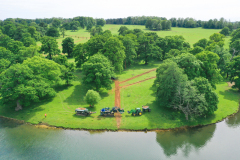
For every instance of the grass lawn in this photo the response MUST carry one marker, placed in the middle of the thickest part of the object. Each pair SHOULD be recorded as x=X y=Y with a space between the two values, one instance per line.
x=191 y=35
x=60 y=109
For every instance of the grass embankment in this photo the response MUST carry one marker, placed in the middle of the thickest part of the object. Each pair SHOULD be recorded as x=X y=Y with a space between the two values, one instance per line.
x=191 y=35
x=60 y=109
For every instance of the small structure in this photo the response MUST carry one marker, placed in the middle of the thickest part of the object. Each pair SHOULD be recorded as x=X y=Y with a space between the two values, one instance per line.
x=83 y=112
x=146 y=108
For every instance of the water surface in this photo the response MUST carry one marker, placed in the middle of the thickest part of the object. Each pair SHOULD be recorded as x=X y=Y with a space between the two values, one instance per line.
x=218 y=141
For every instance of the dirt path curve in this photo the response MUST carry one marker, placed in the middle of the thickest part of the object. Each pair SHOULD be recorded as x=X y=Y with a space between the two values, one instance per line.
x=138 y=75
x=137 y=82
x=117 y=102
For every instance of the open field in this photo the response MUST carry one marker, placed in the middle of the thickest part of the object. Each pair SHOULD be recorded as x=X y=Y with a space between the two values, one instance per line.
x=60 y=109
x=192 y=35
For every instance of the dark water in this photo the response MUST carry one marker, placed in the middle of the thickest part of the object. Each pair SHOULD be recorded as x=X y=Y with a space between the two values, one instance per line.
x=218 y=141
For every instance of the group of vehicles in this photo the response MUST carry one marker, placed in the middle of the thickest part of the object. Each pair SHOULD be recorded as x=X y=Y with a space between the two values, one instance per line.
x=111 y=112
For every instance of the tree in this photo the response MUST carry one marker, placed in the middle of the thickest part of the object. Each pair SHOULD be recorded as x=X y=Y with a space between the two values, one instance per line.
x=204 y=88
x=224 y=59
x=201 y=43
x=49 y=46
x=209 y=68
x=68 y=45
x=26 y=53
x=28 y=41
x=170 y=42
x=147 y=49
x=235 y=48
x=114 y=50
x=4 y=64
x=225 y=31
x=15 y=46
x=190 y=64
x=96 y=30
x=194 y=98
x=217 y=39
x=101 y=22
x=234 y=68
x=92 y=97
x=98 y=72
x=196 y=50
x=74 y=25
x=235 y=35
x=169 y=78
x=172 y=53
x=122 y=29
x=48 y=70
x=53 y=32
x=19 y=84
x=7 y=54
x=56 y=23
x=62 y=30
x=130 y=50
x=189 y=101
x=20 y=31
x=80 y=54
x=67 y=68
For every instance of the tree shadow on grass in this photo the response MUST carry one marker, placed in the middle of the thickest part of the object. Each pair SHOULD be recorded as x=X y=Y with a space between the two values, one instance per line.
x=230 y=94
x=26 y=113
x=60 y=88
x=82 y=117
x=161 y=115
x=77 y=96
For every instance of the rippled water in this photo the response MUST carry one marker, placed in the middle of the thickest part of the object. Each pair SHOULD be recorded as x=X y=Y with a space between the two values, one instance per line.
x=218 y=141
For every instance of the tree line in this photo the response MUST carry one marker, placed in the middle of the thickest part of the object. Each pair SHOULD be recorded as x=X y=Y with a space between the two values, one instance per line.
x=176 y=22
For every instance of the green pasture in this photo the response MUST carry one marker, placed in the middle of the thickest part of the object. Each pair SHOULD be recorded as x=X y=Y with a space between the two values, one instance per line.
x=191 y=35
x=60 y=109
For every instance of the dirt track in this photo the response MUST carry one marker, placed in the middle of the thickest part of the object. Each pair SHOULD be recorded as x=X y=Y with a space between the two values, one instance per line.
x=138 y=75
x=137 y=82
x=117 y=102
x=117 y=92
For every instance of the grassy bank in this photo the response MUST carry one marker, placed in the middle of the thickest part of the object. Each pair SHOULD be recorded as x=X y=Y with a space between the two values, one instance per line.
x=60 y=109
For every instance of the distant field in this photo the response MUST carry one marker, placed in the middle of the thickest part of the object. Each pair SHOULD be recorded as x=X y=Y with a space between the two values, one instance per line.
x=192 y=35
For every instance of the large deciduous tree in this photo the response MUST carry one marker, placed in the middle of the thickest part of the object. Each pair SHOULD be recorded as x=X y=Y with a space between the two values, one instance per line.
x=67 y=46
x=67 y=68
x=234 y=70
x=29 y=82
x=114 y=50
x=190 y=64
x=225 y=31
x=147 y=49
x=209 y=66
x=53 y=32
x=194 y=98
x=169 y=78
x=98 y=72
x=49 y=46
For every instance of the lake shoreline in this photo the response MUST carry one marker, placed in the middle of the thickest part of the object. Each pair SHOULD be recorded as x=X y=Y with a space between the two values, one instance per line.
x=47 y=126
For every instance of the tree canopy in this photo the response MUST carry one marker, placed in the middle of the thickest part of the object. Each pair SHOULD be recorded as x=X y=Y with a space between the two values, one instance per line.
x=67 y=46
x=98 y=72
x=49 y=46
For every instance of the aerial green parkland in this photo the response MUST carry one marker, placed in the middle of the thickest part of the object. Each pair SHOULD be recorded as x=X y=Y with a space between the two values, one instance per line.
x=60 y=110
